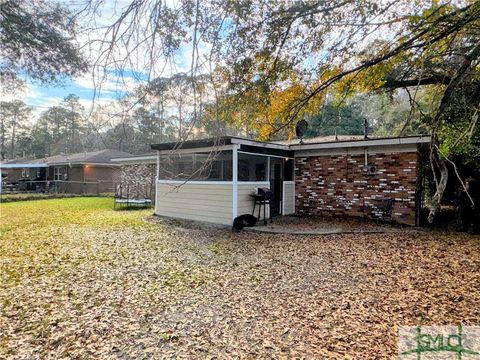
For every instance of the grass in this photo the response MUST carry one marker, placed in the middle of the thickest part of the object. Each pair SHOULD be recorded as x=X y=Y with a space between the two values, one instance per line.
x=37 y=235
x=6 y=198
x=56 y=253
x=80 y=280
x=85 y=212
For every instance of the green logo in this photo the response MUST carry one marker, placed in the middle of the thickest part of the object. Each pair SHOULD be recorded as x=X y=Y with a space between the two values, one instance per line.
x=438 y=339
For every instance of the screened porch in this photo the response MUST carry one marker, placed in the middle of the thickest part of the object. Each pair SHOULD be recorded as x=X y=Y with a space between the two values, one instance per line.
x=214 y=183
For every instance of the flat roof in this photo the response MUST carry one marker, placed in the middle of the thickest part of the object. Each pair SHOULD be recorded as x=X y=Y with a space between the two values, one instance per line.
x=385 y=141
x=295 y=144
x=214 y=142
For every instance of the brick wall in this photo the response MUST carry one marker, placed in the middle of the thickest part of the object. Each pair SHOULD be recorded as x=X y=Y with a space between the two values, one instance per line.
x=139 y=180
x=336 y=185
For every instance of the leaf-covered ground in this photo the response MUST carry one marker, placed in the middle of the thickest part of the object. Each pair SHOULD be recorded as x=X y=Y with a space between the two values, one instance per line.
x=79 y=280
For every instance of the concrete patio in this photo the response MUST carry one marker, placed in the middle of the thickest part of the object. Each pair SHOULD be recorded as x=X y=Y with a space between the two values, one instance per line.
x=317 y=225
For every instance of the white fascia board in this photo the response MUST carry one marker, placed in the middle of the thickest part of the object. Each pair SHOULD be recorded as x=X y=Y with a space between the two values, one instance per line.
x=23 y=166
x=150 y=158
x=194 y=182
x=196 y=150
x=260 y=144
x=257 y=154
x=363 y=143
x=84 y=163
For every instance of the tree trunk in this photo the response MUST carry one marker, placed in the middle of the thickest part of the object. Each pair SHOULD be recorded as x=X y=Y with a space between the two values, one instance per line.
x=14 y=129
x=2 y=139
x=437 y=160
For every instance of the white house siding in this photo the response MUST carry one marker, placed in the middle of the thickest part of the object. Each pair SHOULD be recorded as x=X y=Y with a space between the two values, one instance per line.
x=288 y=197
x=209 y=202
x=245 y=202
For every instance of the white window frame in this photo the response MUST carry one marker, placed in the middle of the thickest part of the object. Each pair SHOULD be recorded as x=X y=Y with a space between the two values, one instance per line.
x=25 y=173
x=57 y=173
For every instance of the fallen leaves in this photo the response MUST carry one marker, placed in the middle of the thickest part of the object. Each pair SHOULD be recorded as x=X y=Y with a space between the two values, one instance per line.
x=88 y=282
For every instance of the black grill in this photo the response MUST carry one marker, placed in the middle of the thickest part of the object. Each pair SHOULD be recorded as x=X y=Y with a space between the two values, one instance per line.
x=264 y=194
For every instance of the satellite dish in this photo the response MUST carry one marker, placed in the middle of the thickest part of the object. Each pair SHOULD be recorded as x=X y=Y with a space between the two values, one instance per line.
x=301 y=129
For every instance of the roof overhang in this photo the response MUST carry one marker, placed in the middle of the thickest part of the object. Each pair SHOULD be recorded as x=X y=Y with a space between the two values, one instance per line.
x=228 y=142
x=23 y=166
x=82 y=163
x=216 y=142
x=363 y=143
x=137 y=159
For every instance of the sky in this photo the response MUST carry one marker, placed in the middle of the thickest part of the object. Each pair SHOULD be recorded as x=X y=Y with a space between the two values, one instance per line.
x=40 y=97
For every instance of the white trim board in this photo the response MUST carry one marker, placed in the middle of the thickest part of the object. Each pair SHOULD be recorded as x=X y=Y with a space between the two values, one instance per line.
x=235 y=181
x=257 y=154
x=259 y=144
x=213 y=182
x=143 y=159
x=362 y=143
x=206 y=149
x=372 y=150
x=83 y=164
x=198 y=182
x=23 y=166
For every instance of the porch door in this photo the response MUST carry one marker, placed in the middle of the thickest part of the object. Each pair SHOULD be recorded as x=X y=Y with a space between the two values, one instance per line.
x=276 y=185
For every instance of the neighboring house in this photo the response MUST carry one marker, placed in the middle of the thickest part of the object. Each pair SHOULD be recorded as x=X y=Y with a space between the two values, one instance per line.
x=211 y=180
x=9 y=172
x=88 y=172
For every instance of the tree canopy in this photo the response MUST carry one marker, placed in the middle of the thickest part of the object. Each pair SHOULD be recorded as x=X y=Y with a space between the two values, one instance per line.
x=37 y=38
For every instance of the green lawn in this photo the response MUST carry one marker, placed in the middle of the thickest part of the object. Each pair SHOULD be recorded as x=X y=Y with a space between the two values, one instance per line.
x=79 y=280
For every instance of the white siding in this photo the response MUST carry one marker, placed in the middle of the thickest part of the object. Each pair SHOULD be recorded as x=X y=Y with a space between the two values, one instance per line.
x=245 y=202
x=202 y=202
x=288 y=197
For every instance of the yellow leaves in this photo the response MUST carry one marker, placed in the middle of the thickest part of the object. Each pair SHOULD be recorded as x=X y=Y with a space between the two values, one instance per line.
x=271 y=113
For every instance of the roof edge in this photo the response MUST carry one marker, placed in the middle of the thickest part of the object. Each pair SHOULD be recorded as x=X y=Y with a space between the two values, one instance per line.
x=407 y=140
x=135 y=158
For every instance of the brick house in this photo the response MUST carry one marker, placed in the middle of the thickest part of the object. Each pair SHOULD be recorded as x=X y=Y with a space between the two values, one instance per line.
x=78 y=173
x=372 y=178
x=212 y=179
x=375 y=178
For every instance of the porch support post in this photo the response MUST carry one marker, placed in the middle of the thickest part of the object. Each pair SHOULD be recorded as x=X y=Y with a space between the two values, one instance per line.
x=235 y=181
x=157 y=177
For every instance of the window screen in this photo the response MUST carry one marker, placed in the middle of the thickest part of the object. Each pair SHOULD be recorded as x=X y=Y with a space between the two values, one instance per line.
x=252 y=167
x=201 y=166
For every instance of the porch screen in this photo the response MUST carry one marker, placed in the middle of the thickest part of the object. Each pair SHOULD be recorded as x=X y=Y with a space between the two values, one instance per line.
x=211 y=166
x=252 y=167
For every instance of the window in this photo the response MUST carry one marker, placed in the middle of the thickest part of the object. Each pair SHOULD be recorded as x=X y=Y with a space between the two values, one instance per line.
x=288 y=171
x=200 y=166
x=58 y=173
x=38 y=173
x=252 y=167
x=25 y=172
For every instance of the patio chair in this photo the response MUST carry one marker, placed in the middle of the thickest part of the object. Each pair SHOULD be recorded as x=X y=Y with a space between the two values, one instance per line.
x=386 y=206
